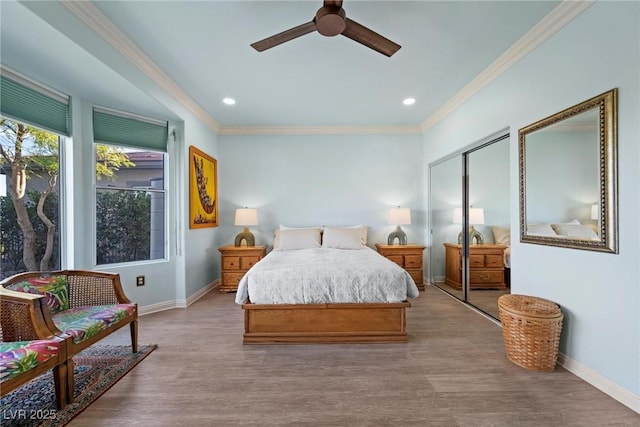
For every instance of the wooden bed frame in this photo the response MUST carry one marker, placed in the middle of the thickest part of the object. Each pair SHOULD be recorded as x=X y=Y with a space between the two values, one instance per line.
x=325 y=323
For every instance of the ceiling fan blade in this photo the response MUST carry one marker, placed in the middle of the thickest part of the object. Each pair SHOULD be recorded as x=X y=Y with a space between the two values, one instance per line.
x=284 y=36
x=369 y=38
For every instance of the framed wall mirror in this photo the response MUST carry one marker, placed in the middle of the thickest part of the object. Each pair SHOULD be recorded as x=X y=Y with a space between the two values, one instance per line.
x=568 y=177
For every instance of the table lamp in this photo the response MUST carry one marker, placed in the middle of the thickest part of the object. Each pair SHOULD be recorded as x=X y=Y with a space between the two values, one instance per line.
x=476 y=217
x=246 y=217
x=399 y=216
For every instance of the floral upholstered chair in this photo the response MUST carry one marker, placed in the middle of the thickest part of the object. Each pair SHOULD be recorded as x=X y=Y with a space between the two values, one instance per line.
x=84 y=305
x=29 y=347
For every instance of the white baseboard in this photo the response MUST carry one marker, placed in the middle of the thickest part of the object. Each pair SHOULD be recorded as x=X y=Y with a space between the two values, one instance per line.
x=181 y=303
x=154 y=308
x=600 y=382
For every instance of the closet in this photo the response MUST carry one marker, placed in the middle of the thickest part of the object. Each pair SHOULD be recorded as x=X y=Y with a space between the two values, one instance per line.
x=469 y=223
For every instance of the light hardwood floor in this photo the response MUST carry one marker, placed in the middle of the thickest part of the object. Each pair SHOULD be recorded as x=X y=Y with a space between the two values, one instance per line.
x=453 y=372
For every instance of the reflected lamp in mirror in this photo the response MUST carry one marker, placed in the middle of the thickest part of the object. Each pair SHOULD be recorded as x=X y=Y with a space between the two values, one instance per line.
x=594 y=212
x=244 y=218
x=399 y=216
x=476 y=217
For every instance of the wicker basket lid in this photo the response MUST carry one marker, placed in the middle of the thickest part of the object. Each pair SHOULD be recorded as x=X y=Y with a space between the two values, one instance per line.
x=529 y=306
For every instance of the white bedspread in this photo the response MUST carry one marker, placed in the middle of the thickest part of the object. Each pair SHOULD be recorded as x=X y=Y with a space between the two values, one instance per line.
x=323 y=275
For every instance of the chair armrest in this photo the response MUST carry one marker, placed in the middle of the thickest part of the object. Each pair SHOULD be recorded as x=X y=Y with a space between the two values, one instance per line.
x=87 y=287
x=25 y=317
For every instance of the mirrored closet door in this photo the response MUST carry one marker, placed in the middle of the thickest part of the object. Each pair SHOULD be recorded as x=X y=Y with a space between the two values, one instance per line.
x=469 y=222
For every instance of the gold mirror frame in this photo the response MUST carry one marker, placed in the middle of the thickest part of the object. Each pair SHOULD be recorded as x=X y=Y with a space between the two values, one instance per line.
x=606 y=105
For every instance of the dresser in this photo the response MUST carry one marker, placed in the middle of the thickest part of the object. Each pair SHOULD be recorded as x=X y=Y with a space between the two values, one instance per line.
x=486 y=266
x=236 y=260
x=408 y=257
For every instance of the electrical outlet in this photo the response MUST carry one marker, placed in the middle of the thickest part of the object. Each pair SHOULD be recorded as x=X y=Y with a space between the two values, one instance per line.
x=140 y=281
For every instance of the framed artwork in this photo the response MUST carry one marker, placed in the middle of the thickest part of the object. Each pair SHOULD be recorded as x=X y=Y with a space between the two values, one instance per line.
x=203 y=189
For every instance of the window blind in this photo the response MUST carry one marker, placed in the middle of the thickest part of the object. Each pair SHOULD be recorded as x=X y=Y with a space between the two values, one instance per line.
x=114 y=127
x=28 y=102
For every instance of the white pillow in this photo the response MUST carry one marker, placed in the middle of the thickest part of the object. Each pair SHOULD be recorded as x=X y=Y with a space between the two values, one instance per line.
x=342 y=238
x=276 y=233
x=363 y=232
x=575 y=230
x=502 y=235
x=284 y=227
x=592 y=225
x=541 y=230
x=302 y=238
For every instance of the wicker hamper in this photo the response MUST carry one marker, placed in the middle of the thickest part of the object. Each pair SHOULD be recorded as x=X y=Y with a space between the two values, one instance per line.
x=531 y=328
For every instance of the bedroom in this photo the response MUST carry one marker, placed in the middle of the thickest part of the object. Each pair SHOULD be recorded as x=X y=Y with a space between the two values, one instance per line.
x=601 y=290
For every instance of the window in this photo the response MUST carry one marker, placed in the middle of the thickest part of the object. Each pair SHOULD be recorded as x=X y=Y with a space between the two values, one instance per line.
x=29 y=199
x=130 y=188
x=34 y=120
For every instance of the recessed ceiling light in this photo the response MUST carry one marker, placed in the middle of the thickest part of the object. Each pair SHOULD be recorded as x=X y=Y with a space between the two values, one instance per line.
x=409 y=101
x=229 y=101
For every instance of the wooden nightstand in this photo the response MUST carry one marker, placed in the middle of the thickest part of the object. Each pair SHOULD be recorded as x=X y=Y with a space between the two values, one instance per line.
x=486 y=266
x=236 y=260
x=408 y=257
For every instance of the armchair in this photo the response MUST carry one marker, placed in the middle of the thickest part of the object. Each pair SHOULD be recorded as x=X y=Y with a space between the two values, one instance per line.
x=81 y=304
x=29 y=347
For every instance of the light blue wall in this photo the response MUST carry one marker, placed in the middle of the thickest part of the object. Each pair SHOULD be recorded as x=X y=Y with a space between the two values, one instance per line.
x=599 y=293
x=307 y=180
x=201 y=257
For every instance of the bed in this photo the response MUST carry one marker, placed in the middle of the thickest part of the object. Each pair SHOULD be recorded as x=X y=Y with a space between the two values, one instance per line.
x=324 y=286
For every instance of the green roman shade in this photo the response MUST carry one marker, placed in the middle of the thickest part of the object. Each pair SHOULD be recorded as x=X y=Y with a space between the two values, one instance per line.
x=112 y=127
x=28 y=102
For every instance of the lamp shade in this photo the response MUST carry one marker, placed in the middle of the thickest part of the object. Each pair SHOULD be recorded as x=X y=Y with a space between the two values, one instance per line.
x=594 y=212
x=400 y=216
x=476 y=216
x=246 y=217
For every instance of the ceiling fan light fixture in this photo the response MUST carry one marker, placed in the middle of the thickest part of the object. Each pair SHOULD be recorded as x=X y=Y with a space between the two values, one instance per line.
x=409 y=101
x=330 y=21
x=229 y=101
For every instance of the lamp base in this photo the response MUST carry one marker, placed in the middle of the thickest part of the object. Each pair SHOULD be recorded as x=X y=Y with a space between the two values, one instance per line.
x=399 y=234
x=247 y=236
x=473 y=234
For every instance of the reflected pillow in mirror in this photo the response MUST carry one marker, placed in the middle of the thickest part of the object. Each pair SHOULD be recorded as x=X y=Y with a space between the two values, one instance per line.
x=502 y=235
x=540 y=230
x=575 y=231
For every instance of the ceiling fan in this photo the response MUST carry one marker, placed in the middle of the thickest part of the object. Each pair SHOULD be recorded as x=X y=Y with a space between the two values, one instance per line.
x=331 y=20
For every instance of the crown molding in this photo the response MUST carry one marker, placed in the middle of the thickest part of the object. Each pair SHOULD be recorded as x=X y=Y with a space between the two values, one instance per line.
x=101 y=25
x=560 y=16
x=91 y=16
x=318 y=130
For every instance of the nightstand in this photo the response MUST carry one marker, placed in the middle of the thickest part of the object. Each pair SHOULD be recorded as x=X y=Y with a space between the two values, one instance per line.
x=486 y=266
x=408 y=257
x=236 y=260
